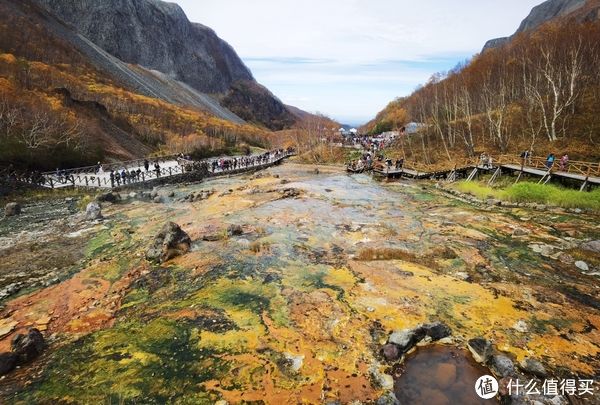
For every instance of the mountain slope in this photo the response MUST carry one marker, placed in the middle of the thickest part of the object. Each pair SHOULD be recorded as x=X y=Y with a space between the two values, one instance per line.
x=159 y=37
x=65 y=102
x=580 y=10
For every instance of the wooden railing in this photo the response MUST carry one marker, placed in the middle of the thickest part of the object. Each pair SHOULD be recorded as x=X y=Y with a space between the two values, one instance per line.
x=135 y=172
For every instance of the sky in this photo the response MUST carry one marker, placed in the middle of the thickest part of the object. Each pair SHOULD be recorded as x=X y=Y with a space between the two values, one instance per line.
x=348 y=58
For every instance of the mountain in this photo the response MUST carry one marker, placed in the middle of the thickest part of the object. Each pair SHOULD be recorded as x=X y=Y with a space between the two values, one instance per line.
x=158 y=37
x=579 y=10
x=65 y=102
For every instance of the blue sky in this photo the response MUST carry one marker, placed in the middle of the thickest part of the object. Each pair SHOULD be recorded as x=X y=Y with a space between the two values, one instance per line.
x=349 y=58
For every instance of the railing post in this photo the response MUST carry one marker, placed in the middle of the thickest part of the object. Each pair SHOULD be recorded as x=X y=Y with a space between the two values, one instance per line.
x=86 y=181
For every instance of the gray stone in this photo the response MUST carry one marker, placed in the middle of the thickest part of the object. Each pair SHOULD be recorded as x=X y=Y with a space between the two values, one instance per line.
x=533 y=367
x=481 y=349
x=407 y=338
x=170 y=242
x=581 y=265
x=12 y=209
x=521 y=232
x=391 y=352
x=502 y=365
x=157 y=199
x=387 y=399
x=29 y=346
x=593 y=246
x=93 y=211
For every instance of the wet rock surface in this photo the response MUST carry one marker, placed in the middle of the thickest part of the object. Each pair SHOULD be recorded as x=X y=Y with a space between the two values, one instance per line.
x=299 y=307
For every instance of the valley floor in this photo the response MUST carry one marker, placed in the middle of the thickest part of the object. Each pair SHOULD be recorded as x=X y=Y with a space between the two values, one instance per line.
x=297 y=307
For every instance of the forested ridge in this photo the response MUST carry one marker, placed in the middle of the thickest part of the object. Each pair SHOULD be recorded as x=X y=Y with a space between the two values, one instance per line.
x=539 y=92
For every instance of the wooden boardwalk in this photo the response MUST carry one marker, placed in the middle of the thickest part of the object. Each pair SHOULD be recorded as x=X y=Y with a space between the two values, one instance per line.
x=90 y=177
x=587 y=174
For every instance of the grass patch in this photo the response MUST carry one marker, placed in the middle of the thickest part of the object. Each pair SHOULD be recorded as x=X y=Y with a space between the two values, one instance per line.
x=535 y=193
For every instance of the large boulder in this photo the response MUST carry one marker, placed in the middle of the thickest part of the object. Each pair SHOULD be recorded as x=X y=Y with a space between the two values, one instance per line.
x=93 y=211
x=29 y=346
x=12 y=209
x=170 y=242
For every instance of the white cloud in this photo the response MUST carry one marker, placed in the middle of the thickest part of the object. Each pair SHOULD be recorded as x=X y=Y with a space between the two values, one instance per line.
x=310 y=51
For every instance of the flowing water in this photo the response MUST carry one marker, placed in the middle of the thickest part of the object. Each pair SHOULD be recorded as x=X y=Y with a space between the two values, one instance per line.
x=296 y=309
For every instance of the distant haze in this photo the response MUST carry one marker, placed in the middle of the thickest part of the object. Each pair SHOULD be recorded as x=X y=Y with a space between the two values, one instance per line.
x=349 y=58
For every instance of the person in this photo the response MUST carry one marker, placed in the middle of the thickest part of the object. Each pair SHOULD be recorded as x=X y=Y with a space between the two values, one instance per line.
x=112 y=178
x=550 y=161
x=564 y=162
x=399 y=163
x=526 y=157
x=157 y=169
x=146 y=164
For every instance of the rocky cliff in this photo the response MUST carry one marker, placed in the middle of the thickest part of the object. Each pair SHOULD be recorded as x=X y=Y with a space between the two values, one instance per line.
x=581 y=10
x=159 y=37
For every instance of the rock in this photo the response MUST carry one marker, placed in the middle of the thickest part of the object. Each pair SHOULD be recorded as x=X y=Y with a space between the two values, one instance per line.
x=544 y=250
x=29 y=346
x=109 y=197
x=12 y=209
x=481 y=349
x=133 y=195
x=534 y=367
x=93 y=211
x=157 y=199
x=317 y=171
x=170 y=242
x=7 y=326
x=387 y=399
x=171 y=194
x=593 y=246
x=289 y=193
x=384 y=381
x=154 y=193
x=235 y=230
x=437 y=330
x=445 y=375
x=521 y=232
x=391 y=352
x=521 y=326
x=502 y=365
x=407 y=338
x=581 y=265
x=294 y=362
x=284 y=181
x=8 y=362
